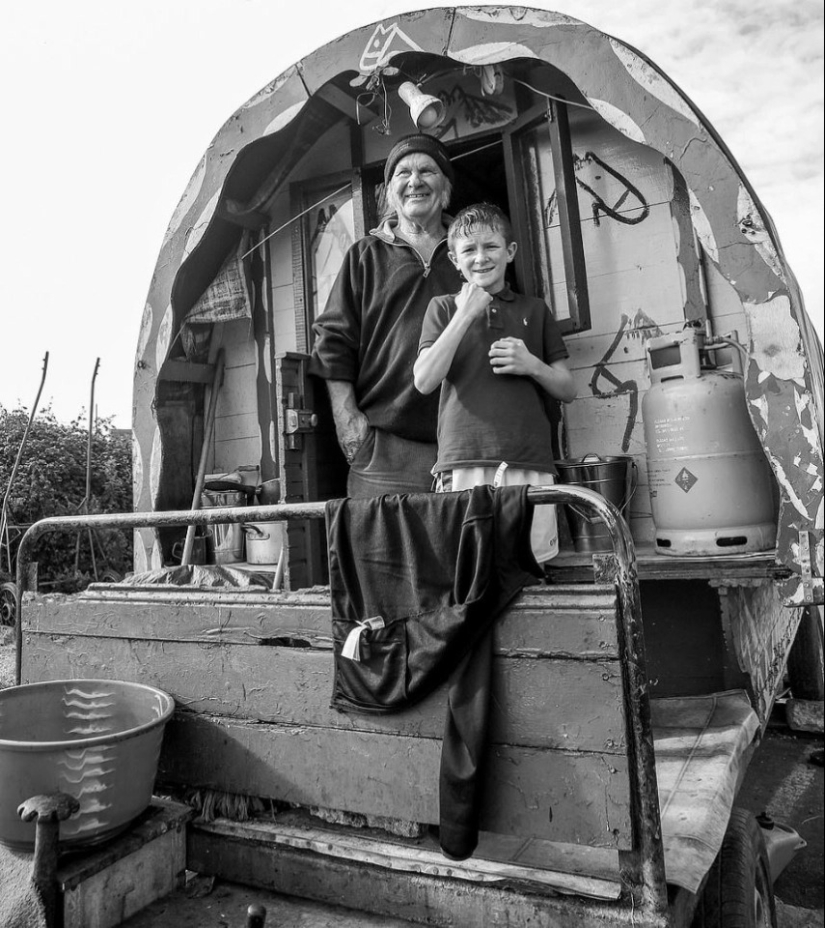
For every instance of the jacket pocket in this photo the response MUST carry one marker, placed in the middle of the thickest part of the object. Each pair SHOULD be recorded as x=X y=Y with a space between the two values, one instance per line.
x=374 y=676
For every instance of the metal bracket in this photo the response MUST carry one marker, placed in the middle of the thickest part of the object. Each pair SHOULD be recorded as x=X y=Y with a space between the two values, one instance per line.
x=297 y=420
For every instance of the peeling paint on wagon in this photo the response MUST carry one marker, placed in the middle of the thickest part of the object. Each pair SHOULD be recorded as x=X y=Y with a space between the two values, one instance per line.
x=540 y=19
x=283 y=119
x=491 y=53
x=618 y=119
x=652 y=81
x=775 y=340
x=190 y=195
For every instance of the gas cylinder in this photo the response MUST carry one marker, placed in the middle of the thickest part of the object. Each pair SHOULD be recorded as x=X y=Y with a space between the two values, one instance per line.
x=711 y=487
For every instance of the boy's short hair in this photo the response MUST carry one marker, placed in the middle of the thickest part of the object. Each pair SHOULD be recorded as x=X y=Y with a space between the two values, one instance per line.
x=479 y=216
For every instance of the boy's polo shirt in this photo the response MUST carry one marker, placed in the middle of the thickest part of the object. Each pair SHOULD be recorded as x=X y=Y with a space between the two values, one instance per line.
x=486 y=418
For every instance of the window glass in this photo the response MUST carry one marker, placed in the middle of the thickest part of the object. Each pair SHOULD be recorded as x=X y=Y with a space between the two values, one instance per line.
x=544 y=229
x=330 y=232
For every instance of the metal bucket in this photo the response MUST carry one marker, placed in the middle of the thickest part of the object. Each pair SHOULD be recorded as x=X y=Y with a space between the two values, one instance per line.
x=226 y=541
x=264 y=541
x=614 y=477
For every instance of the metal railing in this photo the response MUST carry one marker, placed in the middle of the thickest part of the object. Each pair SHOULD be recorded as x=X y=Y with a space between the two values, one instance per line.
x=644 y=865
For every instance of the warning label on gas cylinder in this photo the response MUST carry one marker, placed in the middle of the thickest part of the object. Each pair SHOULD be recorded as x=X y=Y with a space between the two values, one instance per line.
x=686 y=480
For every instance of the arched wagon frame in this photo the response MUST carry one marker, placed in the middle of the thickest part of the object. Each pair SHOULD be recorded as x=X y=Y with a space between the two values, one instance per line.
x=260 y=145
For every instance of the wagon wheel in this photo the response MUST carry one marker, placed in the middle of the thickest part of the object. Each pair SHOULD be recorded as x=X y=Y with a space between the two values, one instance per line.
x=739 y=892
x=8 y=603
x=110 y=576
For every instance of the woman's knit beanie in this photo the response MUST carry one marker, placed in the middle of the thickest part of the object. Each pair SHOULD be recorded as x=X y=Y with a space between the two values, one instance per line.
x=426 y=145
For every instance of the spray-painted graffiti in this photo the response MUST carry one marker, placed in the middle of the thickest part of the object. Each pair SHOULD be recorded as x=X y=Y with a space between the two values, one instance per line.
x=384 y=42
x=628 y=193
x=464 y=109
x=640 y=327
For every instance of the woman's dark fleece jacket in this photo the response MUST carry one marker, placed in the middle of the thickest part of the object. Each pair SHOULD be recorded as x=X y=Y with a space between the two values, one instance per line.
x=368 y=333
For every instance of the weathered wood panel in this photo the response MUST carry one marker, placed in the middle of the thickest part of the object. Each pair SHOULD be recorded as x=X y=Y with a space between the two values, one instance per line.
x=420 y=897
x=587 y=350
x=236 y=338
x=237 y=393
x=570 y=705
x=558 y=621
x=559 y=796
x=630 y=268
x=237 y=438
x=106 y=887
x=233 y=427
x=761 y=630
x=255 y=719
x=614 y=171
x=570 y=868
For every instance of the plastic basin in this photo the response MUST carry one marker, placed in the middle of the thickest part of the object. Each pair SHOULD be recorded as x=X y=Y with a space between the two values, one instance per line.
x=97 y=740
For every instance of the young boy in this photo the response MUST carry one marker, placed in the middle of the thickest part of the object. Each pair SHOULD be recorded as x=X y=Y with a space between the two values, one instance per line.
x=497 y=355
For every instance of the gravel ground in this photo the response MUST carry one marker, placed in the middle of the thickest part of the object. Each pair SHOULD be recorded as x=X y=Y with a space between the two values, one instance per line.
x=6 y=656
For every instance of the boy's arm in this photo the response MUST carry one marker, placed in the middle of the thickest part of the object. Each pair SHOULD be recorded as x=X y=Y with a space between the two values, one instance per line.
x=511 y=356
x=433 y=363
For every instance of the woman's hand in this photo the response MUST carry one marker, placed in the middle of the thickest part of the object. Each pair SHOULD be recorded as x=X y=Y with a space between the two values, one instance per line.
x=352 y=433
x=511 y=356
x=351 y=425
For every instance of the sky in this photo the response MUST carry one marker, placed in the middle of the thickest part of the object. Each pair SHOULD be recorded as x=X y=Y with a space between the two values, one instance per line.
x=108 y=107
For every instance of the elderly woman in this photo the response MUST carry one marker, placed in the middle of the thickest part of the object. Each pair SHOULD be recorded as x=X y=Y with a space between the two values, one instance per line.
x=366 y=339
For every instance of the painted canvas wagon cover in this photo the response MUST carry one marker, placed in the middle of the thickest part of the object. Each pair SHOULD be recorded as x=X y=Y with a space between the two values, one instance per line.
x=784 y=376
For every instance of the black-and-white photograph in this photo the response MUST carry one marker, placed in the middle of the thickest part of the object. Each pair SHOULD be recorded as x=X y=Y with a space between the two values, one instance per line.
x=411 y=464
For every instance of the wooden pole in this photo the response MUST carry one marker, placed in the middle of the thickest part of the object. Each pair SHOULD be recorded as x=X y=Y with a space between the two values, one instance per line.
x=208 y=430
x=4 y=509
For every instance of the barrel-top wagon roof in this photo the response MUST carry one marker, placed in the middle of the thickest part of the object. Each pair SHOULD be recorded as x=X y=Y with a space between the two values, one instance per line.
x=261 y=142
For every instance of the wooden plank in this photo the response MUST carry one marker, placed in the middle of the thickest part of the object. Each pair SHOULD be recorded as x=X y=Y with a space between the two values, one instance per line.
x=613 y=170
x=650 y=565
x=240 y=425
x=761 y=629
x=102 y=887
x=421 y=897
x=610 y=424
x=424 y=854
x=238 y=394
x=602 y=383
x=627 y=342
x=237 y=341
x=228 y=454
x=643 y=241
x=565 y=704
x=108 y=898
x=559 y=621
x=555 y=795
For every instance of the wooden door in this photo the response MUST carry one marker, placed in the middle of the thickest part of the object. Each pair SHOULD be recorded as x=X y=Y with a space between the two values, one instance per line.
x=312 y=466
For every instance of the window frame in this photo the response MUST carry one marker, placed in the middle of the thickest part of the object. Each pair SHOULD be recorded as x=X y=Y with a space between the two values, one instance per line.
x=529 y=255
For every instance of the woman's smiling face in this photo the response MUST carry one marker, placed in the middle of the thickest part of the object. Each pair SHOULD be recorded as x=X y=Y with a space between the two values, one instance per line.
x=418 y=189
